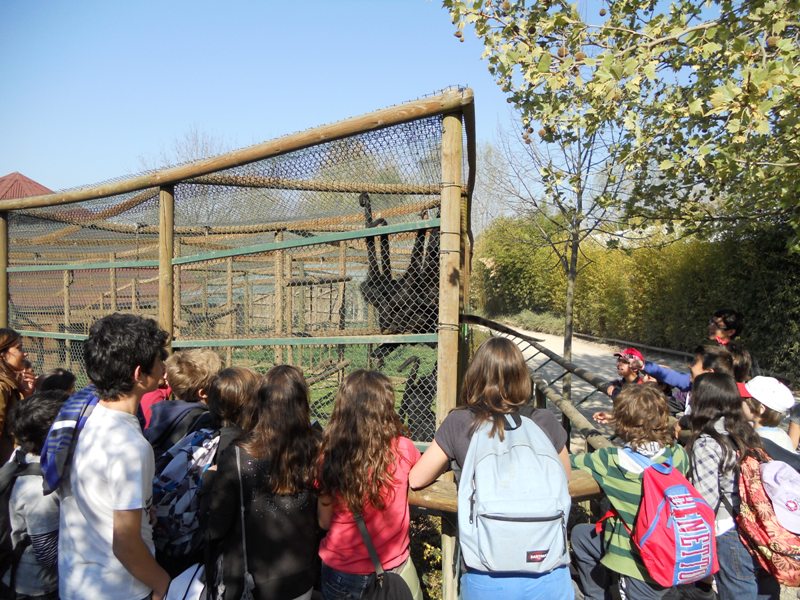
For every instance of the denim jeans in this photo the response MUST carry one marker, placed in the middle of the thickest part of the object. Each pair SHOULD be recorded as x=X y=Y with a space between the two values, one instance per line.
x=337 y=585
x=740 y=577
x=595 y=579
x=555 y=585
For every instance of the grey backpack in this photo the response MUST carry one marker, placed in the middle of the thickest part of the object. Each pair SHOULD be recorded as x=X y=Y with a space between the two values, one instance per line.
x=513 y=501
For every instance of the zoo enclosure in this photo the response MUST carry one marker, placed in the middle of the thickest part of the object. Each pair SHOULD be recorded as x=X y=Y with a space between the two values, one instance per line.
x=336 y=248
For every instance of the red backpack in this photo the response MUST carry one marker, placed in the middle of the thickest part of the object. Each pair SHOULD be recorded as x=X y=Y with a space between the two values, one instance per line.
x=674 y=526
x=776 y=548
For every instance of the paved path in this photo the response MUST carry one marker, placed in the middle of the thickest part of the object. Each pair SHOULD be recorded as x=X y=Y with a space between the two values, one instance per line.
x=595 y=357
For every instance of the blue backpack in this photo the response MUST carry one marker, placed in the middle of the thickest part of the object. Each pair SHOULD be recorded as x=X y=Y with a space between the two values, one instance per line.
x=59 y=445
x=176 y=493
x=513 y=501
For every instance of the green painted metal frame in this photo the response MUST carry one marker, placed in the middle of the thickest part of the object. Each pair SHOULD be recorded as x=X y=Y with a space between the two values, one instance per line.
x=122 y=264
x=254 y=249
x=310 y=241
x=417 y=338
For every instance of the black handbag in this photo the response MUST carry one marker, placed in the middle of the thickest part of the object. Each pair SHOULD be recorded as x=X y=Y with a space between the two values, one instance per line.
x=387 y=585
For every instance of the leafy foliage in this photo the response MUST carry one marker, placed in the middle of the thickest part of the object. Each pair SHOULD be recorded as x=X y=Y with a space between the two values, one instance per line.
x=663 y=296
x=706 y=94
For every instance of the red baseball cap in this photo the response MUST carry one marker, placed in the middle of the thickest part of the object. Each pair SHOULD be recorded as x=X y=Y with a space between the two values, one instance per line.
x=743 y=390
x=630 y=353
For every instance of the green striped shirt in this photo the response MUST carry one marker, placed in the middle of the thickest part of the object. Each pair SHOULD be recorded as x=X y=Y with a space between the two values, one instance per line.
x=624 y=490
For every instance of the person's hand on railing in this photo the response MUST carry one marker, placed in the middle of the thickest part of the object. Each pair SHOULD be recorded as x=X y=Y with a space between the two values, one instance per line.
x=603 y=417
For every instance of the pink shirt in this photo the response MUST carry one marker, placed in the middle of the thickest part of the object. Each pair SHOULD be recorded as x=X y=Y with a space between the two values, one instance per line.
x=344 y=550
x=150 y=398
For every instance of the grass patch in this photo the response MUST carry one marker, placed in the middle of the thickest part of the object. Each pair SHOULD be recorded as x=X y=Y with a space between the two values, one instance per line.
x=543 y=322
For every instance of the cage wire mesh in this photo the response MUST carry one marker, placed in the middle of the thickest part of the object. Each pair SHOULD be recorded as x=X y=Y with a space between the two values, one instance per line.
x=278 y=248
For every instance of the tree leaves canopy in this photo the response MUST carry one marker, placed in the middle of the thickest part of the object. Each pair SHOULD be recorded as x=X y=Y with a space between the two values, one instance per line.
x=706 y=93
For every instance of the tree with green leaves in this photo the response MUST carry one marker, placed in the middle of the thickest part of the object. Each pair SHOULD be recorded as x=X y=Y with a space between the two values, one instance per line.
x=705 y=93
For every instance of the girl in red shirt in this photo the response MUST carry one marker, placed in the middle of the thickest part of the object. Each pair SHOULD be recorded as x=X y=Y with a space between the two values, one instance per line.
x=364 y=466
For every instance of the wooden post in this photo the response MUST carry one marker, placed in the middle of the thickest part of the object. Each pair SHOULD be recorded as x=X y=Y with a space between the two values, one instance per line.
x=449 y=298
x=176 y=293
x=112 y=275
x=67 y=343
x=3 y=269
x=229 y=302
x=134 y=294
x=288 y=308
x=278 y=297
x=342 y=292
x=247 y=301
x=166 y=250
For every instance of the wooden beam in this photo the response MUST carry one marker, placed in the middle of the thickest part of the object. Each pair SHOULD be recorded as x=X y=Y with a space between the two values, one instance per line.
x=448 y=328
x=166 y=251
x=347 y=187
x=3 y=267
x=446 y=102
x=441 y=495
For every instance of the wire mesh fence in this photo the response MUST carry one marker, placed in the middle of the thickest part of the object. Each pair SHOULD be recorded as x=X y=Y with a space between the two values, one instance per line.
x=326 y=257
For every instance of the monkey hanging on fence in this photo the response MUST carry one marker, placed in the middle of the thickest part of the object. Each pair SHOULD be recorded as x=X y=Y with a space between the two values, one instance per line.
x=416 y=407
x=410 y=303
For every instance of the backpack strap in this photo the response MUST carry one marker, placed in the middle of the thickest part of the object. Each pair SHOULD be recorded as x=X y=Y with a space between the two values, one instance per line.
x=373 y=554
x=249 y=582
x=663 y=467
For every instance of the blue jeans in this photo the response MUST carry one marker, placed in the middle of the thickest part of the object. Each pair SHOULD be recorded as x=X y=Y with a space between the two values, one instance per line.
x=740 y=577
x=595 y=579
x=337 y=585
x=555 y=585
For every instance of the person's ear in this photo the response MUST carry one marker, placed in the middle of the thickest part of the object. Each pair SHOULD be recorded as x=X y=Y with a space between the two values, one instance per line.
x=202 y=394
x=137 y=373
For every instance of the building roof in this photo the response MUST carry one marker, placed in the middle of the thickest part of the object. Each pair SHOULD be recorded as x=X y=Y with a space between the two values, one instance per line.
x=16 y=185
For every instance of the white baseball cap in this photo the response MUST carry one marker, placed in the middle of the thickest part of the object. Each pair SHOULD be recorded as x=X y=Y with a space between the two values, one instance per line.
x=782 y=484
x=771 y=393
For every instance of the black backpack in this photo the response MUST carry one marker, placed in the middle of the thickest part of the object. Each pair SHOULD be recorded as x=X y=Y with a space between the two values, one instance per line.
x=10 y=555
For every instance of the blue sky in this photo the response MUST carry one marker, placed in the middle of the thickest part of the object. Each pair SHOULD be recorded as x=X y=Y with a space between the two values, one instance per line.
x=91 y=89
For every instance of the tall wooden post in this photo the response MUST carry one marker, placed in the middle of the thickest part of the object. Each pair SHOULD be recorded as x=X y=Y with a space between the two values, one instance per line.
x=278 y=296
x=166 y=249
x=112 y=282
x=67 y=322
x=3 y=269
x=229 y=302
x=449 y=295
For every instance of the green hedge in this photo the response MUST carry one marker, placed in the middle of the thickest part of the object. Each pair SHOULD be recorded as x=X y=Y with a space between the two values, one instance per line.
x=660 y=296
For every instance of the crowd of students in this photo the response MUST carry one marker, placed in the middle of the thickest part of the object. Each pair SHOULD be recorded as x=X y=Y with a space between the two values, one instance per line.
x=283 y=500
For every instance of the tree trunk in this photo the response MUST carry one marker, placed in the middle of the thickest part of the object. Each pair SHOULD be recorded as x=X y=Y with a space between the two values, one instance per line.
x=572 y=274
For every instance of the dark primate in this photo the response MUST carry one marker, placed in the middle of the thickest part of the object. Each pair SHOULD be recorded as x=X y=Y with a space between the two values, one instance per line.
x=410 y=303
x=418 y=395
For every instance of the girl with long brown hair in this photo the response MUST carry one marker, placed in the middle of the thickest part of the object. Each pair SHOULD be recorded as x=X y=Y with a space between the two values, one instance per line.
x=721 y=439
x=13 y=385
x=277 y=462
x=364 y=465
x=496 y=384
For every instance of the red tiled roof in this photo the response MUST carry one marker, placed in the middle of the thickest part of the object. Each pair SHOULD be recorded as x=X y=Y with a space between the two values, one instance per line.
x=16 y=185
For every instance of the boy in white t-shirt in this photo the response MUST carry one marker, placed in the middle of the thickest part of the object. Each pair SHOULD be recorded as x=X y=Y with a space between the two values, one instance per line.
x=106 y=543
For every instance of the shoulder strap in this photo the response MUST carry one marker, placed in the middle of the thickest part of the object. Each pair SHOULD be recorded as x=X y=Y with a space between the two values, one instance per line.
x=241 y=509
x=373 y=554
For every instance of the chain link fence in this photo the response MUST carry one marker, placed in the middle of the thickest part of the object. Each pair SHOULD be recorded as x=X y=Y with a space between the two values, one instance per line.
x=326 y=257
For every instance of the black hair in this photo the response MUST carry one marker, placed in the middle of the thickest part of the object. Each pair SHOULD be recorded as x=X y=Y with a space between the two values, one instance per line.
x=32 y=417
x=57 y=379
x=733 y=320
x=742 y=362
x=714 y=396
x=116 y=345
x=716 y=358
